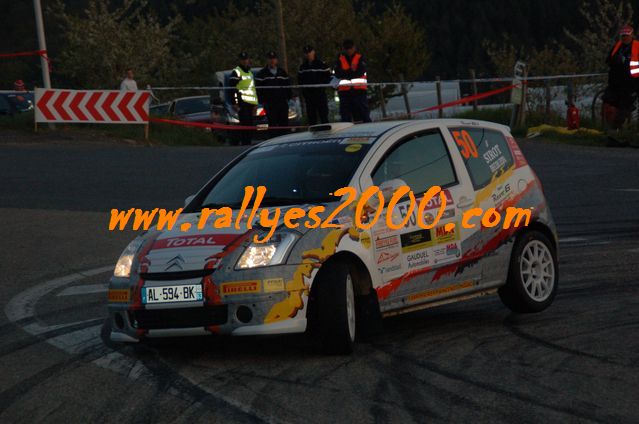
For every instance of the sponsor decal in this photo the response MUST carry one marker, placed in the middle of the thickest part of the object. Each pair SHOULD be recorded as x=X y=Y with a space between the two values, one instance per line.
x=443 y=236
x=429 y=217
x=447 y=253
x=357 y=140
x=119 y=295
x=517 y=154
x=436 y=292
x=391 y=268
x=273 y=284
x=418 y=259
x=195 y=241
x=415 y=240
x=386 y=257
x=352 y=148
x=240 y=287
x=501 y=194
x=365 y=239
x=386 y=242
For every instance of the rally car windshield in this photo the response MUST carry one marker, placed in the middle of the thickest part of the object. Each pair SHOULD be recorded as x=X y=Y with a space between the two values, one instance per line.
x=293 y=173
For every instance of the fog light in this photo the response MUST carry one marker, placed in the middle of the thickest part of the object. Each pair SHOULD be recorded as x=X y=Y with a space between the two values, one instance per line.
x=244 y=314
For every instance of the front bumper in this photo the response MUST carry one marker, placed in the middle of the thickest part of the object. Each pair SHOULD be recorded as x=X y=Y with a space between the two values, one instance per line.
x=257 y=313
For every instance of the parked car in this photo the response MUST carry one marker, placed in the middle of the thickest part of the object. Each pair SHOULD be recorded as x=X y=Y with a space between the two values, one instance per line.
x=14 y=102
x=160 y=109
x=336 y=281
x=191 y=109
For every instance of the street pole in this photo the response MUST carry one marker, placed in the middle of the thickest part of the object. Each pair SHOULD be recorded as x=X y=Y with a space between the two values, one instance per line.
x=44 y=64
x=280 y=24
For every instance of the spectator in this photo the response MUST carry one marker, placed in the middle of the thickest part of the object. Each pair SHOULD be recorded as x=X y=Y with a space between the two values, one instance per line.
x=245 y=96
x=623 y=79
x=350 y=80
x=18 y=85
x=128 y=83
x=274 y=100
x=313 y=71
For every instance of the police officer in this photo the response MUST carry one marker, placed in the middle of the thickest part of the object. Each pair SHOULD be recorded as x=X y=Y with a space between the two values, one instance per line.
x=274 y=100
x=245 y=95
x=350 y=81
x=313 y=71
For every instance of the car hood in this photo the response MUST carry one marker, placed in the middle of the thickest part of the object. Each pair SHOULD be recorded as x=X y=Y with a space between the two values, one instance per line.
x=177 y=251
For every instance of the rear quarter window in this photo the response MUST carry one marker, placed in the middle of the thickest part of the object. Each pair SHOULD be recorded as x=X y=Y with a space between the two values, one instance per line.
x=485 y=153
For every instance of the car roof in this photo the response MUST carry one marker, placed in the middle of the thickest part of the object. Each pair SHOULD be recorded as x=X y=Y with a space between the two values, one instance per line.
x=192 y=97
x=375 y=129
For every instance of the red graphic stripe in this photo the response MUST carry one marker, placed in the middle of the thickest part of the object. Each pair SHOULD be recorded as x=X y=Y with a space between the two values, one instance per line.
x=107 y=106
x=57 y=106
x=75 y=105
x=43 y=106
x=123 y=106
x=91 y=106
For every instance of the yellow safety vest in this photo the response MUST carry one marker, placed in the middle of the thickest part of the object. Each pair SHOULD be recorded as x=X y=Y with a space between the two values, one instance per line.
x=246 y=86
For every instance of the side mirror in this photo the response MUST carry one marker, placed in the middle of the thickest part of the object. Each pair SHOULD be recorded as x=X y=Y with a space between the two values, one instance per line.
x=189 y=199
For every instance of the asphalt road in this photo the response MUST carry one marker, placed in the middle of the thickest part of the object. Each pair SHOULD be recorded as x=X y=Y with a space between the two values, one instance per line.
x=473 y=361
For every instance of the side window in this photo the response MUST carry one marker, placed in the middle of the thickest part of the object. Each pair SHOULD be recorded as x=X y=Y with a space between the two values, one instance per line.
x=422 y=161
x=485 y=152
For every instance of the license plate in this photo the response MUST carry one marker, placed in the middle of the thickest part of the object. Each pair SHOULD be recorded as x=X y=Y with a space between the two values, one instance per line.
x=172 y=294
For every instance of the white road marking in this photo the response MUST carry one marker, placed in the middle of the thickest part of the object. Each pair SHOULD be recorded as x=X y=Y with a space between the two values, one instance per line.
x=634 y=250
x=572 y=239
x=629 y=190
x=86 y=289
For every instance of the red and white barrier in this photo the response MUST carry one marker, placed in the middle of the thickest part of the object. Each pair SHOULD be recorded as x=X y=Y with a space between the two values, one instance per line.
x=92 y=106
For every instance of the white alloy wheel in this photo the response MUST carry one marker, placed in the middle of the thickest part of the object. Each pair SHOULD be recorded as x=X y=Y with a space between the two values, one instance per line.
x=350 y=307
x=537 y=270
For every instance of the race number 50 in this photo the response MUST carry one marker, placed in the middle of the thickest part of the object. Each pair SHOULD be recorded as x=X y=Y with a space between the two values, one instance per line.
x=466 y=144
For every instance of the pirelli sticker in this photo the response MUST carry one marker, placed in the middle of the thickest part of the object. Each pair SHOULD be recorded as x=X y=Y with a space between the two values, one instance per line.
x=119 y=295
x=240 y=287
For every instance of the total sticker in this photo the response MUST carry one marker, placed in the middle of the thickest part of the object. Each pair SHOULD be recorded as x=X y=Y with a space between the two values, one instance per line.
x=352 y=148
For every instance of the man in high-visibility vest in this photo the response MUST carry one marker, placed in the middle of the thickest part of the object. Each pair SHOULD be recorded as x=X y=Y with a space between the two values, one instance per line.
x=245 y=95
x=351 y=84
x=623 y=78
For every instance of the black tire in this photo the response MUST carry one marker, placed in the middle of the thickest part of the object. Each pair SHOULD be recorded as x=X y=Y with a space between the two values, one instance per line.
x=331 y=308
x=514 y=294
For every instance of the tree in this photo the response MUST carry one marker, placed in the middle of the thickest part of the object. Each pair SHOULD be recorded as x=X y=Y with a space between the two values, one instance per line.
x=102 y=42
x=602 y=19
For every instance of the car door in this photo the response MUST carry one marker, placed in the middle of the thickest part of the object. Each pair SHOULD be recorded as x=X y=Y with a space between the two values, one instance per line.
x=489 y=162
x=415 y=260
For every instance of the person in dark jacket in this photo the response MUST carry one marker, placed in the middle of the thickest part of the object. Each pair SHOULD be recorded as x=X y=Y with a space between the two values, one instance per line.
x=274 y=100
x=623 y=79
x=313 y=71
x=351 y=83
x=244 y=96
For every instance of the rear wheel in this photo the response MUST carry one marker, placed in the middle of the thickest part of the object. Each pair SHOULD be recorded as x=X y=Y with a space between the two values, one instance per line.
x=335 y=308
x=533 y=274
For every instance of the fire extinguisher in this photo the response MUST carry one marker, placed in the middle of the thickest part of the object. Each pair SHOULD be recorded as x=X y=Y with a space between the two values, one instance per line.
x=572 y=117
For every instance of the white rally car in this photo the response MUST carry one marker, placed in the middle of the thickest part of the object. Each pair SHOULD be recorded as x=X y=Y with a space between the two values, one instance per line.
x=335 y=281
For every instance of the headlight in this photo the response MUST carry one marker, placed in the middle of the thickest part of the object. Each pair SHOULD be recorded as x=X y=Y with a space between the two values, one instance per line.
x=263 y=254
x=123 y=267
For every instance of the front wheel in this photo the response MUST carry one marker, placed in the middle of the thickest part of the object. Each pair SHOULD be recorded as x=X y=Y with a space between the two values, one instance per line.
x=533 y=274
x=336 y=317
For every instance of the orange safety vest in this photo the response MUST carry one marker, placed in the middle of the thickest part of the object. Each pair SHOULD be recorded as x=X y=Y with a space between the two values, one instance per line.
x=634 y=57
x=358 y=83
